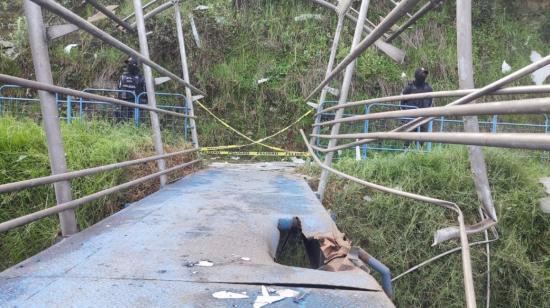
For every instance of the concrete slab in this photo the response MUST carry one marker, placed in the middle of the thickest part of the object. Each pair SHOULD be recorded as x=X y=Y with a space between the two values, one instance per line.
x=143 y=255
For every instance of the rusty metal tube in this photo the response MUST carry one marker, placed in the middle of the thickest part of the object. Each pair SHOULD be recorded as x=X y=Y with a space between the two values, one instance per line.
x=23 y=220
x=78 y=21
x=438 y=94
x=508 y=140
x=526 y=106
x=17 y=186
x=376 y=33
x=25 y=83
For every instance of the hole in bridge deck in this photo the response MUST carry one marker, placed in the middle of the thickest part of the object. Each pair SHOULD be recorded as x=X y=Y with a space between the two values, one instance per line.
x=294 y=249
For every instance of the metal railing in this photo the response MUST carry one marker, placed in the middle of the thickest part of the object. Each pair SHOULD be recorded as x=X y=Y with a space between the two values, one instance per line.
x=413 y=118
x=70 y=108
x=53 y=97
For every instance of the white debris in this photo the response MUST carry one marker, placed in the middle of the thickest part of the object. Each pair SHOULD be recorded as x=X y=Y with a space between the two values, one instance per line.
x=263 y=80
x=197 y=97
x=161 y=80
x=367 y=198
x=540 y=75
x=332 y=91
x=201 y=8
x=505 y=67
x=69 y=47
x=313 y=105
x=403 y=75
x=226 y=294
x=297 y=160
x=195 y=31
x=308 y=16
x=245 y=258
x=235 y=157
x=288 y=293
x=205 y=263
x=266 y=299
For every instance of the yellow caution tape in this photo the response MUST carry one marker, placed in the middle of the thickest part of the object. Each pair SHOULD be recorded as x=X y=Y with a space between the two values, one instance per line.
x=277 y=154
x=253 y=142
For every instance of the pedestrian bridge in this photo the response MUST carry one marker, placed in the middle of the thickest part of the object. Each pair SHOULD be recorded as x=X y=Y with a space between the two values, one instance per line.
x=148 y=254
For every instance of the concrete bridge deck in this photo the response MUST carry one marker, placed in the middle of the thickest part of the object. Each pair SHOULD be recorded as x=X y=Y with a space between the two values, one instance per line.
x=146 y=254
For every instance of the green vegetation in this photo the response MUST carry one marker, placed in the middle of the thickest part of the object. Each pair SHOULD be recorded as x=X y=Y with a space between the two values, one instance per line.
x=263 y=40
x=399 y=232
x=23 y=155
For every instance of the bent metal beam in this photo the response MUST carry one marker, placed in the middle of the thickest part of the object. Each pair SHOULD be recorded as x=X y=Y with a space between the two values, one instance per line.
x=78 y=21
x=384 y=26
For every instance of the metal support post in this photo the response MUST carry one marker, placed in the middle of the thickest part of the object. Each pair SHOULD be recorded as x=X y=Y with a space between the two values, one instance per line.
x=348 y=75
x=56 y=152
x=471 y=124
x=335 y=41
x=150 y=87
x=185 y=69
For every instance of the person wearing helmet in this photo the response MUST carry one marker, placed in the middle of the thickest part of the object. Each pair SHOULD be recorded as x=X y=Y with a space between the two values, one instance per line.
x=418 y=85
x=132 y=84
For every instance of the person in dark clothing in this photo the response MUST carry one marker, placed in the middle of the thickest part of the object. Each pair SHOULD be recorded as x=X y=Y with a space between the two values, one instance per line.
x=131 y=80
x=418 y=85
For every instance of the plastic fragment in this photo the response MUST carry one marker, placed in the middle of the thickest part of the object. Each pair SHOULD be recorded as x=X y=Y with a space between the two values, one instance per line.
x=505 y=67
x=265 y=298
x=245 y=258
x=205 y=263
x=69 y=47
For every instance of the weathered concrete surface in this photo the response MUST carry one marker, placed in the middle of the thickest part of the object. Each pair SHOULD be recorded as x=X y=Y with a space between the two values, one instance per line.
x=141 y=256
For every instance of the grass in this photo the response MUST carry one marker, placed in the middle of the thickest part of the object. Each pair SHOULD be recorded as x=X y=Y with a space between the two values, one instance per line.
x=23 y=155
x=399 y=232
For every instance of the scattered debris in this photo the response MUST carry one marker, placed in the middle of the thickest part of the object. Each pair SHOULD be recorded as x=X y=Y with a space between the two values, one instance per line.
x=205 y=263
x=332 y=91
x=197 y=97
x=540 y=75
x=226 y=295
x=313 y=105
x=403 y=75
x=58 y=31
x=194 y=30
x=505 y=67
x=367 y=198
x=201 y=8
x=235 y=157
x=99 y=16
x=308 y=16
x=545 y=205
x=297 y=160
x=69 y=47
x=245 y=258
x=266 y=299
x=300 y=299
x=161 y=80
x=263 y=80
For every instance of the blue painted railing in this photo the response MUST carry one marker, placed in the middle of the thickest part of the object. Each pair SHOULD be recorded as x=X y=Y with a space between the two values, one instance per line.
x=69 y=107
x=440 y=124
